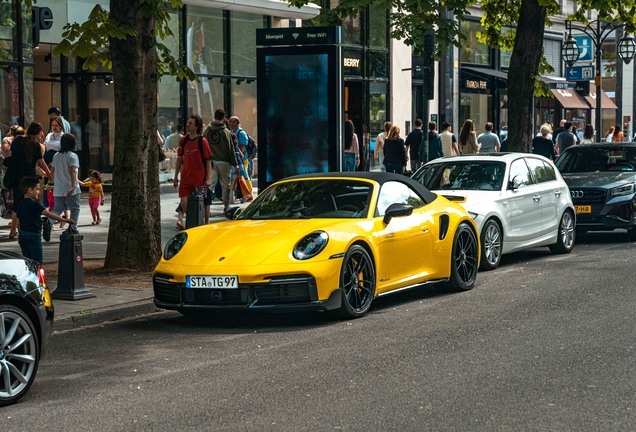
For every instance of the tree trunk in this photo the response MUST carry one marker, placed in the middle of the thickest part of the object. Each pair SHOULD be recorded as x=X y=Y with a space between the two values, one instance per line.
x=134 y=237
x=524 y=64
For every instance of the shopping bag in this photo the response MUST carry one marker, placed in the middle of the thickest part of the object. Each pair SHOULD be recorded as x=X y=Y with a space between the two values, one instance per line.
x=245 y=191
x=6 y=203
x=234 y=184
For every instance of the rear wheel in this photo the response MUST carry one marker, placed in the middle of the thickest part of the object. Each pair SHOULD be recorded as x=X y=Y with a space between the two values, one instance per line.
x=357 y=282
x=464 y=259
x=19 y=354
x=565 y=236
x=491 y=245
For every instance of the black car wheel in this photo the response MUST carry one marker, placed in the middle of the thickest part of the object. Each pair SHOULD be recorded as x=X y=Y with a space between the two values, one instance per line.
x=464 y=260
x=491 y=245
x=19 y=354
x=357 y=282
x=566 y=235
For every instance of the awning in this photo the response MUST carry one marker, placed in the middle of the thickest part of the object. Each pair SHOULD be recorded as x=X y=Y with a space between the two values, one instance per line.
x=275 y=8
x=570 y=99
x=489 y=72
x=606 y=102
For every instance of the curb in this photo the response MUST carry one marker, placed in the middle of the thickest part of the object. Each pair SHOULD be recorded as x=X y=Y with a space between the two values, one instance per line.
x=92 y=317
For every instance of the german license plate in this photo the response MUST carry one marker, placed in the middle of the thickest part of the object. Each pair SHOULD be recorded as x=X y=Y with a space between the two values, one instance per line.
x=583 y=209
x=216 y=282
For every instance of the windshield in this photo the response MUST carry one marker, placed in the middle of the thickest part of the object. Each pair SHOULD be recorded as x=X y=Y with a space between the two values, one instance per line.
x=463 y=175
x=582 y=159
x=305 y=199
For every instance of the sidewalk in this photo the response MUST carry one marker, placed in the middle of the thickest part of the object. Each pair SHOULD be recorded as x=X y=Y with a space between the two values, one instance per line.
x=110 y=303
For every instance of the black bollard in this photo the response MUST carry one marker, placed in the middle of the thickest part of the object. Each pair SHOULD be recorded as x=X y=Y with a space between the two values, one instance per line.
x=70 y=268
x=194 y=209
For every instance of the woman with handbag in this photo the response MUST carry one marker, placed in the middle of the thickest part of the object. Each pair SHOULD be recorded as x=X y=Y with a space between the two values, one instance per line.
x=26 y=154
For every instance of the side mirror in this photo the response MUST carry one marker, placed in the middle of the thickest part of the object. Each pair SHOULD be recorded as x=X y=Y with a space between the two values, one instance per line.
x=515 y=183
x=397 y=210
x=233 y=213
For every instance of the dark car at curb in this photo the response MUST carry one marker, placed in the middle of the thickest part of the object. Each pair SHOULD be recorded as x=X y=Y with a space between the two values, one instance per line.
x=26 y=321
x=602 y=182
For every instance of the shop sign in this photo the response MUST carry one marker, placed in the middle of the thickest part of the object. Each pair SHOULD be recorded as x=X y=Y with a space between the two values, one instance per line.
x=476 y=84
x=563 y=85
x=351 y=62
x=299 y=36
x=41 y=19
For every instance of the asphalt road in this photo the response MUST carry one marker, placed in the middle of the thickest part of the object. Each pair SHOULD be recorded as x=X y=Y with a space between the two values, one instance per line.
x=544 y=343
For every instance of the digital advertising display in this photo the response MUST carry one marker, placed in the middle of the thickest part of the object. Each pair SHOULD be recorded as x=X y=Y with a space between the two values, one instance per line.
x=297 y=106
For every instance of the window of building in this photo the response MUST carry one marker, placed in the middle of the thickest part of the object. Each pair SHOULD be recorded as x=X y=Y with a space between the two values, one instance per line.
x=378 y=64
x=205 y=97
x=243 y=48
x=205 y=40
x=552 y=52
x=7 y=30
x=352 y=26
x=244 y=105
x=472 y=50
x=377 y=107
x=378 y=27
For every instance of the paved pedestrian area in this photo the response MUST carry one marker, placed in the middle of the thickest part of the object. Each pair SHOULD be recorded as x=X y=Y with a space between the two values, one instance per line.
x=109 y=303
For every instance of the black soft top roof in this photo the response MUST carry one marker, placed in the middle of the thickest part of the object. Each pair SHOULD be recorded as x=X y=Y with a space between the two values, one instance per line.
x=379 y=177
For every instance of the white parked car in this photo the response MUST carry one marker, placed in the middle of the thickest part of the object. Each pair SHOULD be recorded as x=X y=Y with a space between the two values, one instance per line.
x=518 y=200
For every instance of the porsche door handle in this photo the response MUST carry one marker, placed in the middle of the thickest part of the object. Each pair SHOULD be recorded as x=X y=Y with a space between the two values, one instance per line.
x=537 y=198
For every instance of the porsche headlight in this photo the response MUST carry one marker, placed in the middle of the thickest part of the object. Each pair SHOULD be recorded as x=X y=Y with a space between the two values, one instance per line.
x=311 y=245
x=626 y=189
x=174 y=245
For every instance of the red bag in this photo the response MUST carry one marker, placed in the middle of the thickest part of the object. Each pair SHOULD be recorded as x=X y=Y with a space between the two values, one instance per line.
x=245 y=190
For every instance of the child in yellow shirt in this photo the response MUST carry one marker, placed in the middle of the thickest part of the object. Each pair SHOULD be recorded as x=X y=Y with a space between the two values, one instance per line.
x=95 y=194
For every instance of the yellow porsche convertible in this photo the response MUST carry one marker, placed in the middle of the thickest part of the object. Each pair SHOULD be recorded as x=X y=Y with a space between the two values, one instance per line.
x=330 y=241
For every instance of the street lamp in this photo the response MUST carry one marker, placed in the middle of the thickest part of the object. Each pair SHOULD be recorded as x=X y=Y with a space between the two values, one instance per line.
x=626 y=51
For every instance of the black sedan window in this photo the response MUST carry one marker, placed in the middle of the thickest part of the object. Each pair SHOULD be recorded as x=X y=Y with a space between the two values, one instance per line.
x=584 y=159
x=305 y=199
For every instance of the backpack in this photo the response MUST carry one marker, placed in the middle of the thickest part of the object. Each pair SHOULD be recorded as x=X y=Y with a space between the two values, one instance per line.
x=252 y=147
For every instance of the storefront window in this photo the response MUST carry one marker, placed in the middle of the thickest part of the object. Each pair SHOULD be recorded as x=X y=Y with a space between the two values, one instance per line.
x=205 y=40
x=27 y=35
x=545 y=112
x=168 y=103
x=9 y=98
x=472 y=50
x=243 y=31
x=7 y=30
x=377 y=107
x=377 y=27
x=205 y=97
x=352 y=27
x=29 y=108
x=352 y=62
x=378 y=64
x=100 y=128
x=244 y=103
x=478 y=108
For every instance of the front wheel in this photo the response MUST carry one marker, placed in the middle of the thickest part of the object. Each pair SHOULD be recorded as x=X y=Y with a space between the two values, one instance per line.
x=565 y=236
x=19 y=354
x=357 y=282
x=491 y=245
x=464 y=259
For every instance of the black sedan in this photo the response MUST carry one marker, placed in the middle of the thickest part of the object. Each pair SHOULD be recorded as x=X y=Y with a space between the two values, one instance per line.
x=26 y=320
x=602 y=182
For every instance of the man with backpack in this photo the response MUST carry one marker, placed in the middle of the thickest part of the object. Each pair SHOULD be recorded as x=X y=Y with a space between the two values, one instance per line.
x=243 y=142
x=223 y=158
x=193 y=154
x=435 y=147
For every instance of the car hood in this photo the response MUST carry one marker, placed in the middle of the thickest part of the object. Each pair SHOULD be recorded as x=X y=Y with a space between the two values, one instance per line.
x=473 y=198
x=248 y=242
x=598 y=179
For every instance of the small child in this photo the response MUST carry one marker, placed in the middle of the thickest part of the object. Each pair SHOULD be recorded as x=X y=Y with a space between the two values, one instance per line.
x=49 y=194
x=95 y=194
x=30 y=212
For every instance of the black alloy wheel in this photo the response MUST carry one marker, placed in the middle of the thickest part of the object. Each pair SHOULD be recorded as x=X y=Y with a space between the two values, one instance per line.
x=491 y=245
x=357 y=282
x=19 y=354
x=464 y=259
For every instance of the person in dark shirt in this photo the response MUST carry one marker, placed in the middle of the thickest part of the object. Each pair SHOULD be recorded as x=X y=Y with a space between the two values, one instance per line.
x=435 y=148
x=394 y=152
x=413 y=143
x=30 y=212
x=542 y=145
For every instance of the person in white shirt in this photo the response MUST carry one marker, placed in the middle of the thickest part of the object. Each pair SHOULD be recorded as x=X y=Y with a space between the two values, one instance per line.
x=52 y=140
x=378 y=149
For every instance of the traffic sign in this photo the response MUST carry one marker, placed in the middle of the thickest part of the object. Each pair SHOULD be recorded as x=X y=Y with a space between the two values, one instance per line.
x=579 y=73
x=585 y=46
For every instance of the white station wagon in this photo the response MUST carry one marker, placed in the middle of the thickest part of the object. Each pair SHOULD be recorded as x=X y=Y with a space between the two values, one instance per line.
x=518 y=200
